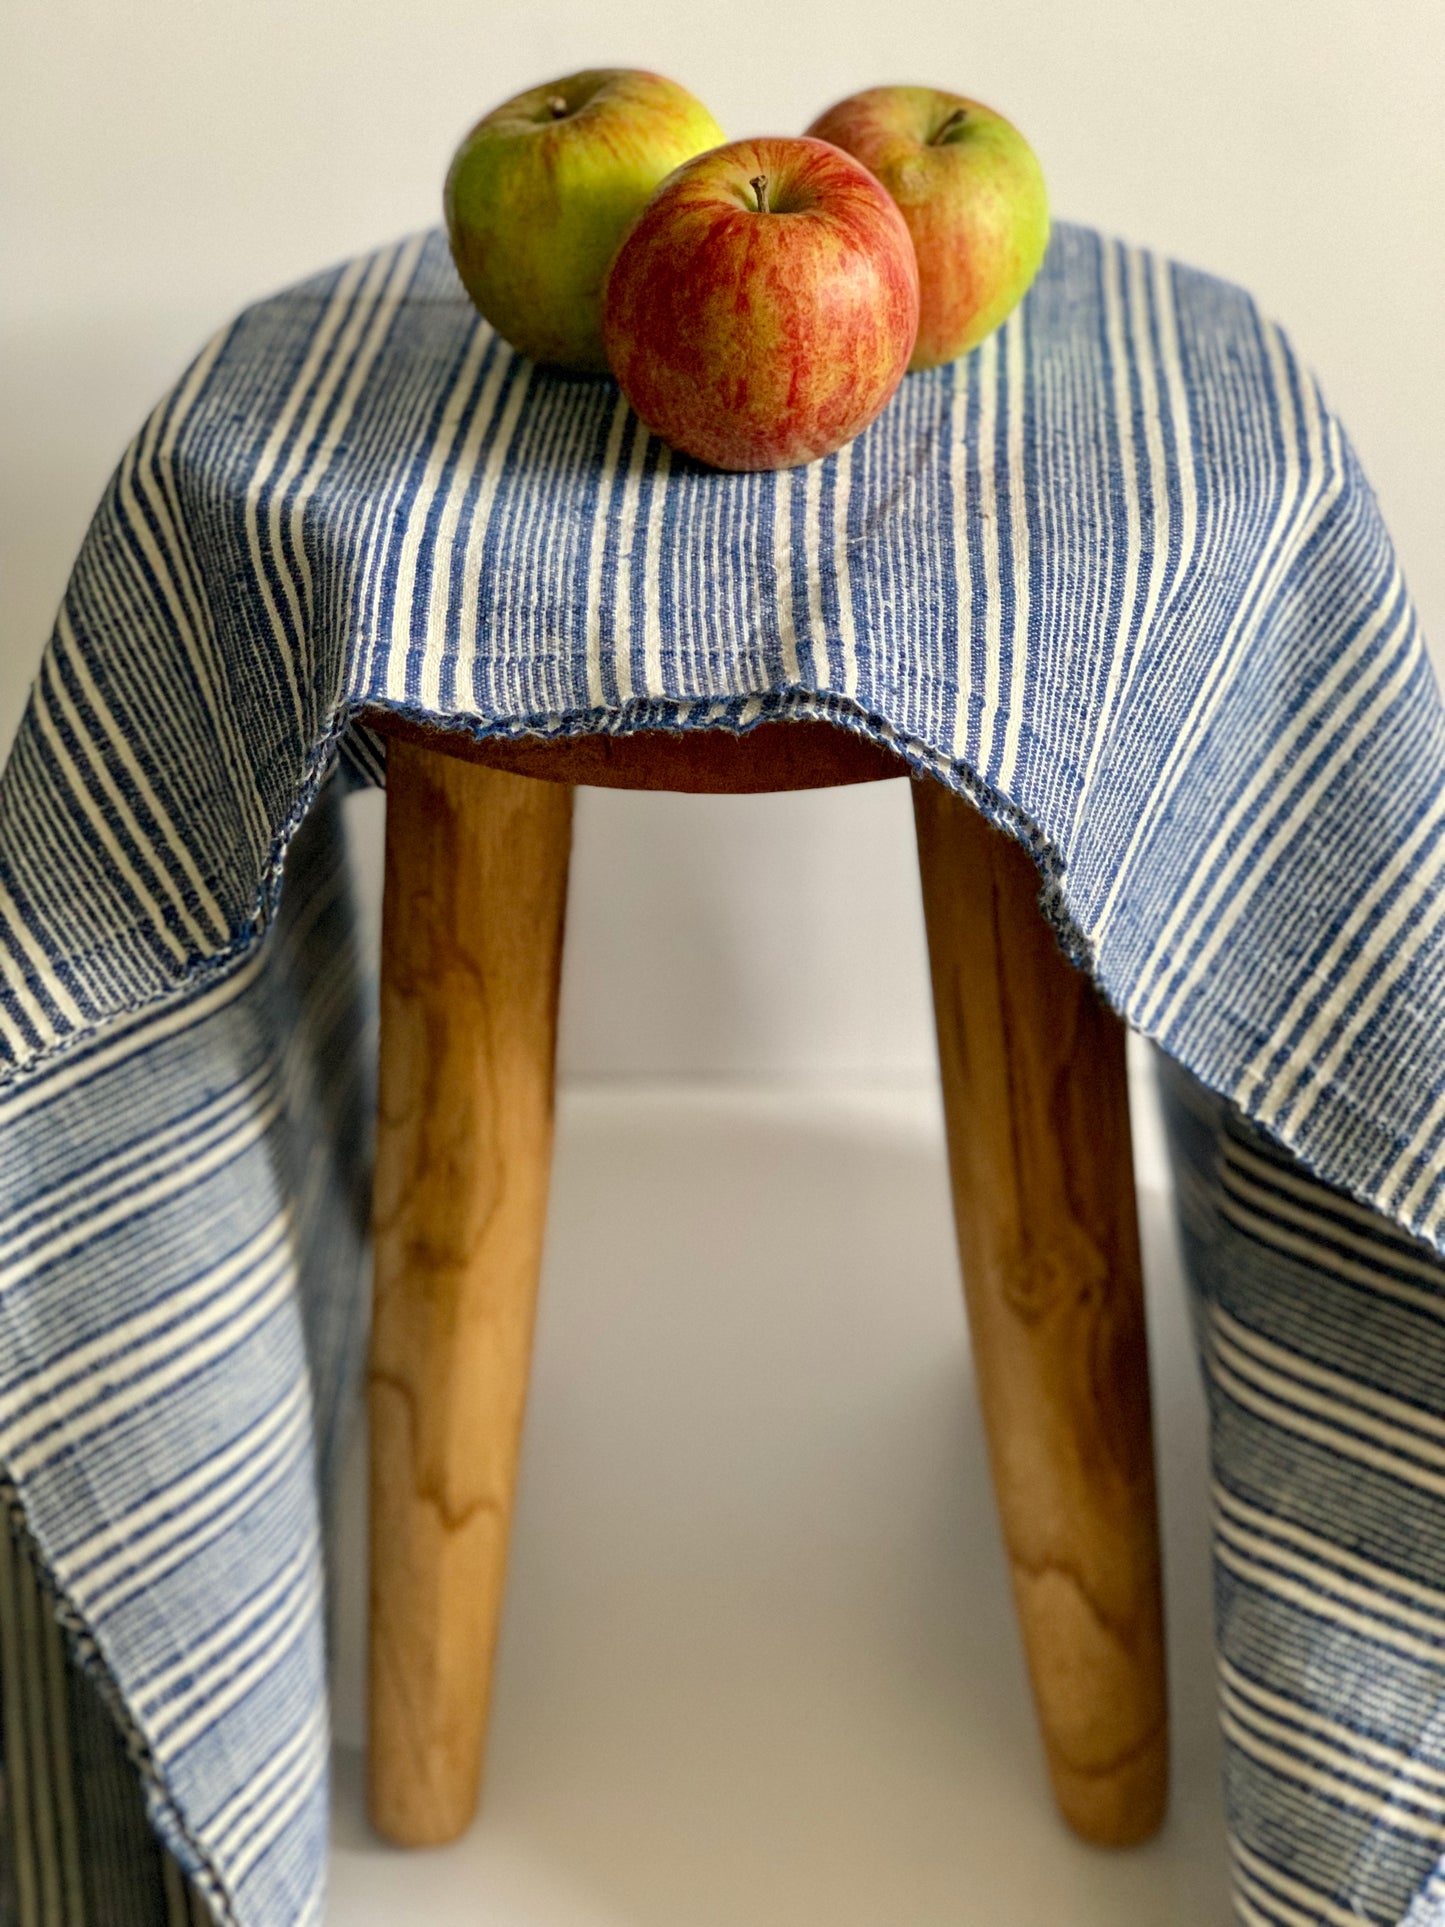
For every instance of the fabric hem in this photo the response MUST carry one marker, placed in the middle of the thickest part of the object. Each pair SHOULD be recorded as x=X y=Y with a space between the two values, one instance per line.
x=806 y=705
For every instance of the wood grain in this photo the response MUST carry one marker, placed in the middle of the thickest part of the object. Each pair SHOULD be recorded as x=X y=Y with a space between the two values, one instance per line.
x=476 y=880
x=773 y=756
x=1039 y=1150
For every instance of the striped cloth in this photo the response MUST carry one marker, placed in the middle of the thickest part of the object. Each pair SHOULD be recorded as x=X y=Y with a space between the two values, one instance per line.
x=1117 y=576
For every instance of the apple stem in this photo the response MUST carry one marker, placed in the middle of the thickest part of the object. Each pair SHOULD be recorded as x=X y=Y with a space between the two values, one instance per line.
x=954 y=121
x=759 y=185
x=558 y=107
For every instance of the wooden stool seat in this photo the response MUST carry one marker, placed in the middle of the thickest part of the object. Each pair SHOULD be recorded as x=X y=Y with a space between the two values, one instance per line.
x=699 y=762
x=1036 y=1107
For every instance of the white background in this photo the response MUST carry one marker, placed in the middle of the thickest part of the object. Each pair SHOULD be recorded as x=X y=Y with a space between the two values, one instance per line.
x=723 y=1611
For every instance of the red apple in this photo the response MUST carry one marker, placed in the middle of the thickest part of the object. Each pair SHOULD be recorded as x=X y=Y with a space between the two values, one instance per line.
x=763 y=308
x=972 y=193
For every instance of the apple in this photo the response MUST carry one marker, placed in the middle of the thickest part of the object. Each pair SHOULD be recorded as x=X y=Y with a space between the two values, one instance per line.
x=972 y=192
x=544 y=187
x=763 y=308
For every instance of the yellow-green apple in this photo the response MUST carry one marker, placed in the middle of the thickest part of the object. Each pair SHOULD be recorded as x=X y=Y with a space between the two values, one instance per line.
x=545 y=186
x=972 y=192
x=763 y=308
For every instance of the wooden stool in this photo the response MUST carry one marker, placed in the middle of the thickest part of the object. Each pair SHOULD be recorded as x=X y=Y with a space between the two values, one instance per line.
x=1043 y=1189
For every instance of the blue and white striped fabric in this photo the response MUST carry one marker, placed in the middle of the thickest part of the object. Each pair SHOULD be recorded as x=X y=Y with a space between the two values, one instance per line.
x=1117 y=576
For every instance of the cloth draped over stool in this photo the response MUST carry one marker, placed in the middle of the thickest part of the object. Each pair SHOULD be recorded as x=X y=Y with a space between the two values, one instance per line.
x=1117 y=576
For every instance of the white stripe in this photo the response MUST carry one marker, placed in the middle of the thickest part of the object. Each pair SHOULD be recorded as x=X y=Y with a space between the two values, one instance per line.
x=1376 y=1790
x=1250 y=1915
x=54 y=865
x=842 y=573
x=987 y=514
x=924 y=635
x=478 y=526
x=606 y=485
x=1013 y=354
x=1425 y=1130
x=1415 y=885
x=812 y=574
x=1180 y=416
x=652 y=638
x=184 y=1176
x=1128 y=479
x=210 y=662
x=310 y=1914
x=424 y=493
x=783 y=574
x=546 y=550
x=958 y=459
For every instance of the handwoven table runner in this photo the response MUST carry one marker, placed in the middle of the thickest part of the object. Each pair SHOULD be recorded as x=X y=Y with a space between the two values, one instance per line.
x=1117 y=576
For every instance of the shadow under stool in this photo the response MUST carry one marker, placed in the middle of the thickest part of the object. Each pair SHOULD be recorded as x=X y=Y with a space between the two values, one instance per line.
x=1036 y=1105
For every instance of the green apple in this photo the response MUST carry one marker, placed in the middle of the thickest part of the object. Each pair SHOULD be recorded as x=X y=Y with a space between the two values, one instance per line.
x=542 y=190
x=972 y=192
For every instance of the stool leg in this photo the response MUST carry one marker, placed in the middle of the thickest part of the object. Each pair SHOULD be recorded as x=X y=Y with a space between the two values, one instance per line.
x=1037 y=1112
x=476 y=884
